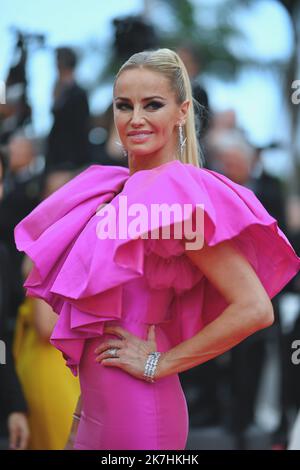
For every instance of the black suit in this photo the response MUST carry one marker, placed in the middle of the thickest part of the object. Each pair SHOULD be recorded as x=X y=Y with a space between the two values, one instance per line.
x=22 y=196
x=11 y=395
x=68 y=144
x=268 y=190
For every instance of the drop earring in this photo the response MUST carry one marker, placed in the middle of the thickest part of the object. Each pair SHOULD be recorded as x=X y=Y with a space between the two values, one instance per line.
x=182 y=139
x=124 y=151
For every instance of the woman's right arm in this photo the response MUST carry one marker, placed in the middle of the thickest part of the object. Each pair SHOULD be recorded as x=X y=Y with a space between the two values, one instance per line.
x=44 y=319
x=73 y=432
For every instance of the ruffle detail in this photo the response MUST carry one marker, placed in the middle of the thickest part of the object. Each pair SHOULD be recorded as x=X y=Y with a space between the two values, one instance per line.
x=82 y=276
x=48 y=235
x=166 y=265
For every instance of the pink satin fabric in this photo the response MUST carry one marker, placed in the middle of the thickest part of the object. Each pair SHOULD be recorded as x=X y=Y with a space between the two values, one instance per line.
x=120 y=411
x=136 y=282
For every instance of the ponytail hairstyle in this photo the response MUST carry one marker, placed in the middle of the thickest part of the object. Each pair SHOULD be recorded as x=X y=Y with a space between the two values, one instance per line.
x=168 y=63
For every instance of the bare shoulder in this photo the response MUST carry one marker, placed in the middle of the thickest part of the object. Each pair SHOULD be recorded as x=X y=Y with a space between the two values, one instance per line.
x=231 y=273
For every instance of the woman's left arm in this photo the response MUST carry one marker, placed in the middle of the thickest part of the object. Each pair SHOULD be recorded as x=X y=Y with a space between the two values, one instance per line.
x=249 y=310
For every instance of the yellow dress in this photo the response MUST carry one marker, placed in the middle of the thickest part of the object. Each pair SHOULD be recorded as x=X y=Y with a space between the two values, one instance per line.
x=50 y=389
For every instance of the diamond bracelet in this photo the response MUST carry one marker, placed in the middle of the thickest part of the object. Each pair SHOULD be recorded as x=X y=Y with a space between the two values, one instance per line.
x=150 y=366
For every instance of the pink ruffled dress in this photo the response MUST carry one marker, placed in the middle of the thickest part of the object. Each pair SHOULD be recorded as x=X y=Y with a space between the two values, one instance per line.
x=136 y=282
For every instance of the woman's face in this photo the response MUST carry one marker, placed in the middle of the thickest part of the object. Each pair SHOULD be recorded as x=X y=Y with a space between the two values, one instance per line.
x=146 y=114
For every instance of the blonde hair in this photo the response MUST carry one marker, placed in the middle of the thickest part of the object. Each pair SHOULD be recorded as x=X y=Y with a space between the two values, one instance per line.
x=168 y=63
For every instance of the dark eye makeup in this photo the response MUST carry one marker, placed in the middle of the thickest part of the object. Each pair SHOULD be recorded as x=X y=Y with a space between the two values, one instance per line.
x=155 y=104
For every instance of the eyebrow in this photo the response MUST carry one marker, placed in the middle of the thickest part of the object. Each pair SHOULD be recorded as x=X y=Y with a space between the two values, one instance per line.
x=144 y=99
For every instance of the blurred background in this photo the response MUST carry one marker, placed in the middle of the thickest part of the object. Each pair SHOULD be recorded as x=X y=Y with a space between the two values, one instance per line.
x=57 y=64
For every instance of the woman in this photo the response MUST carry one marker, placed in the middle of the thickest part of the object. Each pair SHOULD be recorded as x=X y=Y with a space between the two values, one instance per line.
x=51 y=391
x=123 y=292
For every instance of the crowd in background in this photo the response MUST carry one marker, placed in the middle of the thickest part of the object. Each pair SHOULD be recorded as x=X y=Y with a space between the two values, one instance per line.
x=37 y=390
